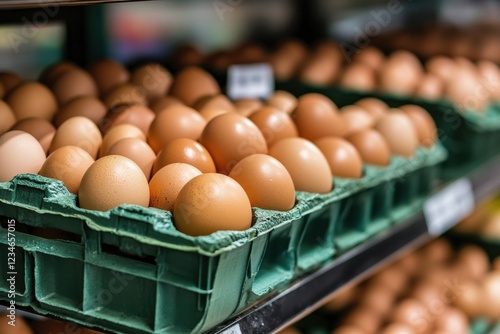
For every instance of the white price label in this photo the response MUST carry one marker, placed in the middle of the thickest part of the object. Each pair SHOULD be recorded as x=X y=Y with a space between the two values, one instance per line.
x=250 y=81
x=233 y=330
x=446 y=208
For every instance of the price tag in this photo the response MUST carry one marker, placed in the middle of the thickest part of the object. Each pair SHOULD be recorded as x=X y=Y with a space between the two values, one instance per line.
x=250 y=81
x=233 y=330
x=446 y=208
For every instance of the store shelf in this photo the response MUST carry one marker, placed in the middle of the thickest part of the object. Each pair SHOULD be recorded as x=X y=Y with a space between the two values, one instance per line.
x=312 y=291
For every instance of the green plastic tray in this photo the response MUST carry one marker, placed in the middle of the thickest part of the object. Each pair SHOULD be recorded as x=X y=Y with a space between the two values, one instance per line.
x=470 y=138
x=129 y=271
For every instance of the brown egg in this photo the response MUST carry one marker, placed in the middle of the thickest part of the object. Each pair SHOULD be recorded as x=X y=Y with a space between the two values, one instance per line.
x=490 y=76
x=192 y=83
x=187 y=55
x=452 y=320
x=443 y=67
x=396 y=328
x=399 y=132
x=282 y=100
x=39 y=128
x=423 y=123
x=358 y=76
x=86 y=106
x=319 y=70
x=392 y=278
x=490 y=295
x=438 y=275
x=372 y=147
x=348 y=329
x=430 y=296
x=437 y=251
x=78 y=131
x=274 y=124
x=32 y=99
x=117 y=133
x=125 y=94
x=411 y=312
x=154 y=79
x=20 y=153
x=401 y=73
x=496 y=264
x=54 y=71
x=166 y=184
x=10 y=81
x=430 y=87
x=7 y=117
x=473 y=262
x=491 y=228
x=250 y=53
x=209 y=113
x=266 y=182
x=342 y=156
x=173 y=123
x=377 y=108
x=219 y=61
x=306 y=164
x=219 y=101
x=67 y=164
x=212 y=202
x=21 y=326
x=364 y=319
x=317 y=117
x=342 y=298
x=136 y=150
x=112 y=181
x=135 y=114
x=377 y=298
x=73 y=84
x=470 y=300
x=410 y=263
x=356 y=119
x=371 y=57
x=246 y=107
x=187 y=151
x=466 y=91
x=108 y=74
x=229 y=138
x=164 y=102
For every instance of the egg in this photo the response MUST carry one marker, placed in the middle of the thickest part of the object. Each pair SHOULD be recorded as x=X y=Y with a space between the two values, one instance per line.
x=274 y=124
x=430 y=87
x=423 y=123
x=72 y=84
x=491 y=295
x=399 y=132
x=372 y=147
x=459 y=91
x=219 y=60
x=218 y=101
x=401 y=73
x=117 y=133
x=282 y=100
x=490 y=76
x=7 y=117
x=154 y=79
x=187 y=151
x=21 y=326
x=86 y=106
x=108 y=74
x=396 y=328
x=364 y=319
x=246 y=107
x=20 y=153
x=410 y=263
x=392 y=278
x=266 y=182
x=212 y=202
x=136 y=150
x=412 y=313
x=496 y=264
x=125 y=94
x=378 y=299
x=491 y=228
x=473 y=262
x=39 y=128
x=342 y=156
x=135 y=114
x=187 y=55
x=342 y=298
x=356 y=119
x=209 y=113
x=437 y=251
x=443 y=67
x=32 y=99
x=173 y=123
x=112 y=181
x=78 y=131
x=166 y=184
x=316 y=116
x=192 y=83
x=249 y=53
x=470 y=300
x=67 y=164
x=452 y=320
x=358 y=76
x=10 y=81
x=54 y=71
x=377 y=108
x=231 y=137
x=430 y=296
x=319 y=70
x=371 y=57
x=164 y=102
x=306 y=164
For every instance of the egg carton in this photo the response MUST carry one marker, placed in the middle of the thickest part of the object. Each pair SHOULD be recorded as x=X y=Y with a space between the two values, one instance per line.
x=128 y=270
x=469 y=137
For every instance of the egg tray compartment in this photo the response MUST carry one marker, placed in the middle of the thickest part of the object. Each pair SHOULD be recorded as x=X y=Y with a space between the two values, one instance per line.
x=470 y=138
x=128 y=270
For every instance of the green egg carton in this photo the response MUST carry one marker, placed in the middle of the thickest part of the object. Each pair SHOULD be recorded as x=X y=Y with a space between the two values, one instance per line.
x=128 y=270
x=469 y=137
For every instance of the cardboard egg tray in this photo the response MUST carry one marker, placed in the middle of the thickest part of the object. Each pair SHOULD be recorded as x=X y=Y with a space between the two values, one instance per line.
x=129 y=270
x=469 y=137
